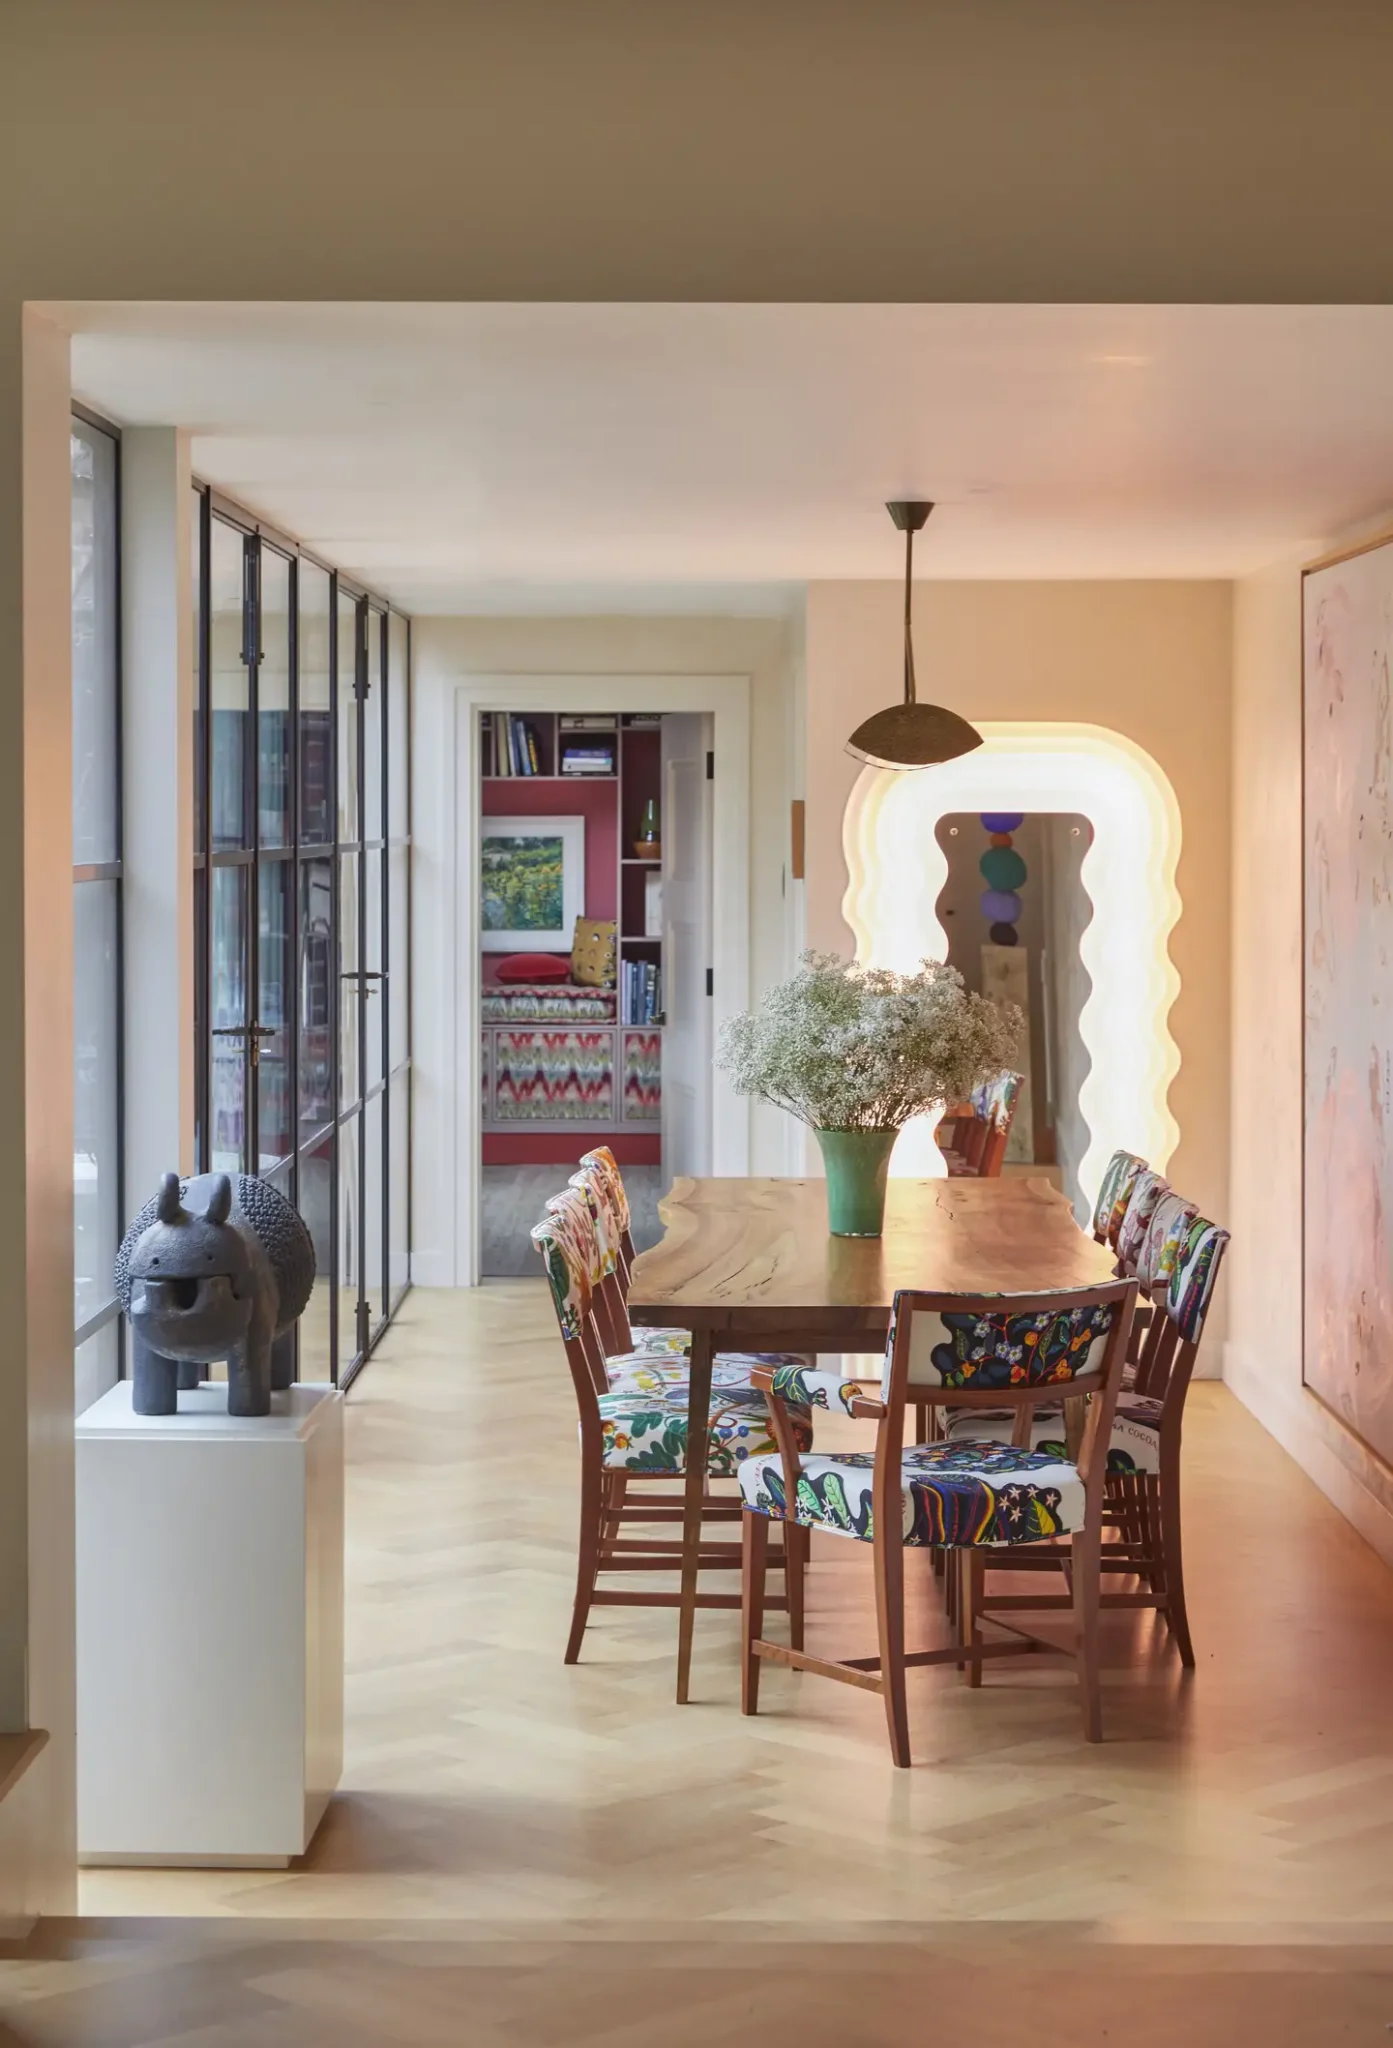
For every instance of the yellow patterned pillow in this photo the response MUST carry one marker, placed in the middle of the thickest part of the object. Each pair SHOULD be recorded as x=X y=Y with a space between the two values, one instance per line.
x=592 y=952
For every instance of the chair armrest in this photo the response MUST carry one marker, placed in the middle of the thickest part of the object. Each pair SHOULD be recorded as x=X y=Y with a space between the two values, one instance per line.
x=866 y=1408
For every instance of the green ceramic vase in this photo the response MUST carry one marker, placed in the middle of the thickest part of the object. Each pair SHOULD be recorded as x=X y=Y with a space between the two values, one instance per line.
x=857 y=1163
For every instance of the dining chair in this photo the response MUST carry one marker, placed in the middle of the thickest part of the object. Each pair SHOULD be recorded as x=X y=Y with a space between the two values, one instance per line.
x=633 y=1430
x=1119 y=1178
x=973 y=1500
x=976 y=1147
x=1178 y=1265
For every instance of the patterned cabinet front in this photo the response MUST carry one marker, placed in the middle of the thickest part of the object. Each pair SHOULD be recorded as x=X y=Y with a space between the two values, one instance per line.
x=643 y=1076
x=544 y=1076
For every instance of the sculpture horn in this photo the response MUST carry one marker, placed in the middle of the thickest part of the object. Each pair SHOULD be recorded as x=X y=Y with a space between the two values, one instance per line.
x=220 y=1201
x=170 y=1208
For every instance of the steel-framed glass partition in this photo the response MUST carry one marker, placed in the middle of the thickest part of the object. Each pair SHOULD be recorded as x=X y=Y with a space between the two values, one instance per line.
x=302 y=907
x=98 y=1221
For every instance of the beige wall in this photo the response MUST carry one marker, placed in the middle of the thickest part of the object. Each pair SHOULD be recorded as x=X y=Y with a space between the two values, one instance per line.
x=1263 y=1357
x=1150 y=660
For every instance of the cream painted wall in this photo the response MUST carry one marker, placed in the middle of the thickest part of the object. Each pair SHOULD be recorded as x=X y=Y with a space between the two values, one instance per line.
x=443 y=650
x=1150 y=660
x=1263 y=1356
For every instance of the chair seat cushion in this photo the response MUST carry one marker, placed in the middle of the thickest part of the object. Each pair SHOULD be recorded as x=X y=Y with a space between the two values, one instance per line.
x=1136 y=1432
x=954 y=1495
x=648 y=1432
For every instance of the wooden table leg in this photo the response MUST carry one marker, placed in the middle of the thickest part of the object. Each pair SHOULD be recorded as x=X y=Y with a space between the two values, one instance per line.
x=694 y=1491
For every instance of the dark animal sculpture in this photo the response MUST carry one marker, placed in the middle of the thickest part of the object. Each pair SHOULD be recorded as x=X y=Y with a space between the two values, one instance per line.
x=214 y=1268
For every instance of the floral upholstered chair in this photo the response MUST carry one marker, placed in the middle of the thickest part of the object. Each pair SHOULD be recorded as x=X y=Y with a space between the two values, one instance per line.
x=973 y=1499
x=1114 y=1195
x=974 y=1140
x=633 y=1428
x=1178 y=1264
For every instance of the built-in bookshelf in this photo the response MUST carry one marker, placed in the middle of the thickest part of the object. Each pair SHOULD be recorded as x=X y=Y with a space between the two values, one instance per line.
x=616 y=1085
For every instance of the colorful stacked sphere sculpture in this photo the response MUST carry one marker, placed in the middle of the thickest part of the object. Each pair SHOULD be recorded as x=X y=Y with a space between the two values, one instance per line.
x=1003 y=871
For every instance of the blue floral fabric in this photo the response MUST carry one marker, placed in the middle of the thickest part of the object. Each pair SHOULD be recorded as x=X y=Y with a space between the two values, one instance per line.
x=953 y=1495
x=646 y=1432
x=1006 y=1350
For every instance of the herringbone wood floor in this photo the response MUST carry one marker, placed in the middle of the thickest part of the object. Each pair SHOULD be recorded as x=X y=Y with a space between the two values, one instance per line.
x=503 y=1820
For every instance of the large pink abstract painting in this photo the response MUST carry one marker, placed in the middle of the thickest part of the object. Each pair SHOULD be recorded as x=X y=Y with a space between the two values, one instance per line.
x=1348 y=628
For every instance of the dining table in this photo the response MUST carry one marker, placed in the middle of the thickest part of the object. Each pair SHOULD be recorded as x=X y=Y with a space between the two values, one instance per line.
x=750 y=1265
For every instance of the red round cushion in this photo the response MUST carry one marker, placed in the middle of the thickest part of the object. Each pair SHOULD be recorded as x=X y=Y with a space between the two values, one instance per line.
x=534 y=967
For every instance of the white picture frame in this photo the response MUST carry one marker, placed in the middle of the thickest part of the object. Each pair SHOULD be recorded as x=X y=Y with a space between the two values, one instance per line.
x=505 y=879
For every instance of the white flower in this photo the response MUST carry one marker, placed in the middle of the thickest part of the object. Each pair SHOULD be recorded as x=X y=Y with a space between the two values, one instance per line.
x=846 y=1047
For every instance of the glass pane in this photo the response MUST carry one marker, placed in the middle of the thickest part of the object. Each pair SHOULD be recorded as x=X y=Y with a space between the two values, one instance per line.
x=316 y=995
x=273 y=702
x=96 y=769
x=316 y=732
x=97 y=1365
x=200 y=766
x=96 y=1016
x=375 y=1190
x=374 y=712
x=399 y=1185
x=275 y=1111
x=374 y=992
x=349 y=1267
x=227 y=1049
x=398 y=950
x=200 y=1017
x=316 y=1185
x=228 y=688
x=348 y=720
x=350 y=988
x=398 y=728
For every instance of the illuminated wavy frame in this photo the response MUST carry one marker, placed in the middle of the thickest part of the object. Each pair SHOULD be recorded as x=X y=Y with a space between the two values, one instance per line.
x=898 y=869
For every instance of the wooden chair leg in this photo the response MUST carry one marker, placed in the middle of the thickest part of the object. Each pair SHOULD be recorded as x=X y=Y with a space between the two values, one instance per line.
x=971 y=1564
x=889 y=1608
x=754 y=1558
x=1086 y=1588
x=1173 y=1563
x=616 y=1488
x=797 y=1545
x=592 y=1522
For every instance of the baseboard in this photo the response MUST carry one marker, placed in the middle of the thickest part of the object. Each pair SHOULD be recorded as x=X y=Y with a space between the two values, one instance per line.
x=1333 y=1459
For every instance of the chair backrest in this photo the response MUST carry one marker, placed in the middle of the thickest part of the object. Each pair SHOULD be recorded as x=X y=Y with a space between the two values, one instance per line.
x=1148 y=1189
x=604 y=1167
x=1114 y=1194
x=610 y=1279
x=999 y=1101
x=1012 y=1351
x=567 y=1242
x=1178 y=1268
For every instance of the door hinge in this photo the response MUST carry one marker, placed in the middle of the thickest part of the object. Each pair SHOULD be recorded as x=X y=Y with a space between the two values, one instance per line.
x=710 y=988
x=710 y=764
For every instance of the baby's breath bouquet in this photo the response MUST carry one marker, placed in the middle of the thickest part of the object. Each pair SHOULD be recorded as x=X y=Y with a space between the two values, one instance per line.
x=857 y=1051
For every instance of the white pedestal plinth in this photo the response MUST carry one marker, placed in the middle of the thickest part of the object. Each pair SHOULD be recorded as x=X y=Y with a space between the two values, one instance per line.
x=209 y=1628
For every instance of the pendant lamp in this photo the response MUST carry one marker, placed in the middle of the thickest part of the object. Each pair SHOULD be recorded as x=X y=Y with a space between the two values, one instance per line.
x=911 y=735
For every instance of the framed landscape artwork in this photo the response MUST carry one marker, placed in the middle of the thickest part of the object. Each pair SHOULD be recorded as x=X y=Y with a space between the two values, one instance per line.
x=531 y=883
x=1347 y=625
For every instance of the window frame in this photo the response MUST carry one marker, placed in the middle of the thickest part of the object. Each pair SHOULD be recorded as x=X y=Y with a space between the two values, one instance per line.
x=112 y=870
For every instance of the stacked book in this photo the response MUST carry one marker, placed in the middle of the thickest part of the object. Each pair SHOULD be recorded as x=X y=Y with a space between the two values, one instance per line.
x=640 y=993
x=587 y=756
x=515 y=750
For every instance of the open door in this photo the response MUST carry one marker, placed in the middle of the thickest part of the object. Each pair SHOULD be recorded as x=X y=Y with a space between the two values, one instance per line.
x=687 y=1049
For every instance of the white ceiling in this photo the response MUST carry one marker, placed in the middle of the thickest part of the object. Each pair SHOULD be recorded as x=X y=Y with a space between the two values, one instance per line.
x=598 y=457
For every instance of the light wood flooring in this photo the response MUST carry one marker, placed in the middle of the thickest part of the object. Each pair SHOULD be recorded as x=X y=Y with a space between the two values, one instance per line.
x=512 y=1199
x=525 y=1853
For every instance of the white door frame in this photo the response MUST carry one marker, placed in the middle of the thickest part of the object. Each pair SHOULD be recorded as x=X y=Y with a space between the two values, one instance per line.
x=727 y=698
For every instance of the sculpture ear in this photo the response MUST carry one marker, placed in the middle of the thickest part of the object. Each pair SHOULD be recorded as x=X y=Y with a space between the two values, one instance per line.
x=169 y=1208
x=220 y=1201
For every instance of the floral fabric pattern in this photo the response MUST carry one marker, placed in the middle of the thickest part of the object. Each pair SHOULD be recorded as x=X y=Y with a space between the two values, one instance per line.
x=1196 y=1267
x=1007 y=1350
x=564 y=1243
x=1114 y=1194
x=803 y=1384
x=1135 y=1445
x=640 y=1372
x=994 y=1102
x=953 y=1495
x=648 y=1433
x=605 y=1167
x=1161 y=1247
x=1148 y=1189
